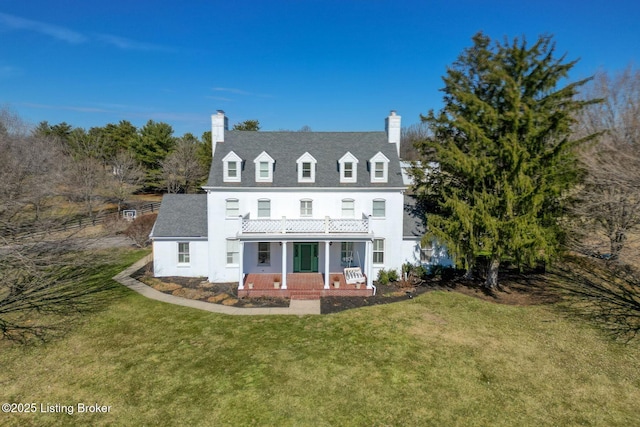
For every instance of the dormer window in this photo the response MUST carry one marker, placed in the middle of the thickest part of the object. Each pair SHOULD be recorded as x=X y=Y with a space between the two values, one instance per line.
x=232 y=167
x=306 y=168
x=264 y=167
x=348 y=168
x=379 y=168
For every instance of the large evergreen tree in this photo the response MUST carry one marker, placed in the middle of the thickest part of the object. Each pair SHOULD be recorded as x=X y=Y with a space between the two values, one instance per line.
x=504 y=150
x=152 y=146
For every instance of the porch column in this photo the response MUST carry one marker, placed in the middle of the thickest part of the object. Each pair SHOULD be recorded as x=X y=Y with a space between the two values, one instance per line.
x=369 y=249
x=284 y=265
x=240 y=265
x=326 y=264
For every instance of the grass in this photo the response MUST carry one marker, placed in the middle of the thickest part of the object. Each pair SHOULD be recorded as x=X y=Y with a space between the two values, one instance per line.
x=440 y=359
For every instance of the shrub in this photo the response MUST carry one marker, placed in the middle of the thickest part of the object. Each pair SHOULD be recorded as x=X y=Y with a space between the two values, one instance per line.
x=383 y=277
x=392 y=275
x=140 y=229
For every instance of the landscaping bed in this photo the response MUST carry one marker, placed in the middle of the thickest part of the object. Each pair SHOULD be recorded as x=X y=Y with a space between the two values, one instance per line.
x=516 y=289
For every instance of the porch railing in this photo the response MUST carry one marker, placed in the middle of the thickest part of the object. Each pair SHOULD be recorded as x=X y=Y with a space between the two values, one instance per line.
x=317 y=226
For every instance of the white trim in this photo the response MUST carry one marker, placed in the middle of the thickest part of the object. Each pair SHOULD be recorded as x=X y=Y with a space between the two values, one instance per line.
x=348 y=158
x=353 y=208
x=187 y=253
x=374 y=251
x=379 y=158
x=308 y=211
x=258 y=208
x=226 y=208
x=384 y=208
x=306 y=158
x=262 y=159
x=232 y=157
x=227 y=252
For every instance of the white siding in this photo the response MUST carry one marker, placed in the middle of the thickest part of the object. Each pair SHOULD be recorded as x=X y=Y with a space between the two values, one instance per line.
x=165 y=259
x=287 y=204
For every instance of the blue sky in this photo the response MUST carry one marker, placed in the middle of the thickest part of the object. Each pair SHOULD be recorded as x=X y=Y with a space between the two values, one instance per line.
x=331 y=65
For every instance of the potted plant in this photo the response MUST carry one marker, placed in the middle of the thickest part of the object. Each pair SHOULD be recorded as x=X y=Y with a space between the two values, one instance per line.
x=358 y=285
x=276 y=281
x=250 y=285
x=336 y=281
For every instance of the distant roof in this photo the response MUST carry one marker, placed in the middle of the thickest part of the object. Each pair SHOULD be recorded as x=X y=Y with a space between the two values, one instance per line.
x=286 y=147
x=182 y=215
x=413 y=220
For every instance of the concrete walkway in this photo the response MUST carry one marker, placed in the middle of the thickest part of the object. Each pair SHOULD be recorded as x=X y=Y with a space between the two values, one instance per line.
x=297 y=307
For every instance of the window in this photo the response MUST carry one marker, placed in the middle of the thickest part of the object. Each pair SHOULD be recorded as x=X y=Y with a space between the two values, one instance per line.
x=232 y=167
x=379 y=170
x=426 y=252
x=306 y=165
x=183 y=253
x=264 y=208
x=233 y=251
x=264 y=253
x=306 y=208
x=378 y=210
x=264 y=170
x=232 y=208
x=346 y=253
x=306 y=170
x=348 y=168
x=379 y=165
x=264 y=167
x=348 y=210
x=378 y=251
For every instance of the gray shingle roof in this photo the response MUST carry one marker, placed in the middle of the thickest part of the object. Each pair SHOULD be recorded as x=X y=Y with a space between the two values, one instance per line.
x=182 y=215
x=286 y=147
x=413 y=223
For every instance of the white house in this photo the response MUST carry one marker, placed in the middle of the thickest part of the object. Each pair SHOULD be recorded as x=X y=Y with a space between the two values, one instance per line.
x=283 y=203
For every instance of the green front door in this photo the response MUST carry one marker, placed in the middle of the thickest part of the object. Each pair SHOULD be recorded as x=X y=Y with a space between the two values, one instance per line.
x=305 y=257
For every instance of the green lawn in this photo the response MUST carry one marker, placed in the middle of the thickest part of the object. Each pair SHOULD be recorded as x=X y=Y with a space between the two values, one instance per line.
x=440 y=359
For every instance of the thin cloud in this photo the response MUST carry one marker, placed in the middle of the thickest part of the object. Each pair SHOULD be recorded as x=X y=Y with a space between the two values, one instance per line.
x=60 y=33
x=66 y=107
x=16 y=23
x=128 y=44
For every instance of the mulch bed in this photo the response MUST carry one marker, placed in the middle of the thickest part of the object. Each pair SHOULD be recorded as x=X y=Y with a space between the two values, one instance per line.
x=515 y=289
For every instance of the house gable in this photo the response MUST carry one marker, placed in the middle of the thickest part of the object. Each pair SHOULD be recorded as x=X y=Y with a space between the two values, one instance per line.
x=263 y=165
x=232 y=167
x=348 y=166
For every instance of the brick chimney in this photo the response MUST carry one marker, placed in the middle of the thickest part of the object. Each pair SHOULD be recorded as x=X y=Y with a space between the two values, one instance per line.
x=219 y=123
x=392 y=127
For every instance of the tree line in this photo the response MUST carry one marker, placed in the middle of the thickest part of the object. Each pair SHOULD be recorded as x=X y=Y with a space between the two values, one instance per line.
x=528 y=162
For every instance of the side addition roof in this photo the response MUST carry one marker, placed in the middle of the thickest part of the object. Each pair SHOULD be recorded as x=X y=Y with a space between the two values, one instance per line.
x=181 y=215
x=286 y=147
x=413 y=219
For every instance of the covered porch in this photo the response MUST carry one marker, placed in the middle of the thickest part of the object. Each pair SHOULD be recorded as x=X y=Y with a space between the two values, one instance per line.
x=300 y=286
x=303 y=254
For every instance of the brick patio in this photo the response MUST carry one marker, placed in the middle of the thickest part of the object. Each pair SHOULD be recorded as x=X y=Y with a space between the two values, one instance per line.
x=300 y=286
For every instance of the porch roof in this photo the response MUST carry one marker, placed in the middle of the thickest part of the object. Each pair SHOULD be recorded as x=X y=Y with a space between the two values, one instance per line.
x=290 y=237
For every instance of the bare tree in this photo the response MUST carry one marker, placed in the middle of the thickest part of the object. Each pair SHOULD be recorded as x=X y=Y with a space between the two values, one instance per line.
x=30 y=173
x=126 y=177
x=181 y=170
x=411 y=135
x=40 y=271
x=86 y=178
x=608 y=205
x=605 y=293
x=140 y=229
